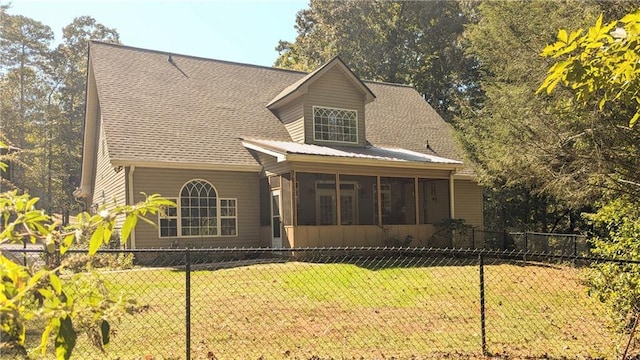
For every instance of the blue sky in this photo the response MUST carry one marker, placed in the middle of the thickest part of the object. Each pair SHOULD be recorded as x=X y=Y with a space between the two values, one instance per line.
x=242 y=31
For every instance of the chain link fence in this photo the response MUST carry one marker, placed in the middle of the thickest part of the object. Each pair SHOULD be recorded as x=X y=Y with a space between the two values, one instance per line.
x=345 y=303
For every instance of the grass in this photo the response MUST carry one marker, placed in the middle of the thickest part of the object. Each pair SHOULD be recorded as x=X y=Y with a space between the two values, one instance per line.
x=300 y=310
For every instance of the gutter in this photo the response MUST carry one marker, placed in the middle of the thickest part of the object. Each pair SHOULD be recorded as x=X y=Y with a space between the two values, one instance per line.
x=132 y=235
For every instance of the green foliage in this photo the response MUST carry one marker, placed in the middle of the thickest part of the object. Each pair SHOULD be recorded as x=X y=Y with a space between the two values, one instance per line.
x=67 y=306
x=397 y=241
x=42 y=104
x=601 y=63
x=451 y=233
x=412 y=42
x=542 y=159
x=617 y=285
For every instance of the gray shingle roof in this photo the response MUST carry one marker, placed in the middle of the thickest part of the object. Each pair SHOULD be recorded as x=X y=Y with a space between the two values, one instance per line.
x=195 y=110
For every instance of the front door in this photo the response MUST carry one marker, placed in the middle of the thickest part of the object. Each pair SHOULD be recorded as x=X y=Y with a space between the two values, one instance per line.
x=276 y=224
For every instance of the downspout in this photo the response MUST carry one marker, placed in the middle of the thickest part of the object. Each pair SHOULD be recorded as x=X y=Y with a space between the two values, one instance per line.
x=452 y=196
x=132 y=169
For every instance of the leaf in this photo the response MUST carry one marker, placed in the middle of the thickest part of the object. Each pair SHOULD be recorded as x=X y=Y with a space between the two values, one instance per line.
x=148 y=221
x=128 y=226
x=105 y=328
x=562 y=36
x=56 y=284
x=44 y=339
x=66 y=339
x=106 y=235
x=634 y=119
x=36 y=277
x=96 y=240
x=66 y=243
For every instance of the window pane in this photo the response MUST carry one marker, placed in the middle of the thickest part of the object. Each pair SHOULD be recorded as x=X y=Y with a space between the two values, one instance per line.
x=228 y=227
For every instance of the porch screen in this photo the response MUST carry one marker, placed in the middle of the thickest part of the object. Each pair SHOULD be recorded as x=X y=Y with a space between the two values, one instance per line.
x=433 y=197
x=316 y=199
x=357 y=205
x=398 y=201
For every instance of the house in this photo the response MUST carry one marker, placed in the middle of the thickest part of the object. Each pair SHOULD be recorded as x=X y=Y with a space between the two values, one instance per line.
x=264 y=157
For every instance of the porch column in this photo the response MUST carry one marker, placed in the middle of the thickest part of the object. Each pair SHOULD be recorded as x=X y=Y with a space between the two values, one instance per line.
x=379 y=195
x=338 y=205
x=294 y=199
x=417 y=201
x=452 y=196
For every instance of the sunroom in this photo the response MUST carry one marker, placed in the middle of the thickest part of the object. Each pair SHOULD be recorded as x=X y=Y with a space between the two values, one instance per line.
x=314 y=196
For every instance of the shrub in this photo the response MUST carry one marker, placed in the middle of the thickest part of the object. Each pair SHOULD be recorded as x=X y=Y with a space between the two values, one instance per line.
x=617 y=227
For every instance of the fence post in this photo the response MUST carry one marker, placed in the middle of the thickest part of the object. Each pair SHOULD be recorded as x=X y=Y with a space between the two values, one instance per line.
x=473 y=237
x=482 y=310
x=187 y=298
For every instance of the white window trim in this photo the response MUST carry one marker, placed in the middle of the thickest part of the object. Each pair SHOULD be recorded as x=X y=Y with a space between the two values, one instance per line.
x=334 y=141
x=219 y=218
x=161 y=217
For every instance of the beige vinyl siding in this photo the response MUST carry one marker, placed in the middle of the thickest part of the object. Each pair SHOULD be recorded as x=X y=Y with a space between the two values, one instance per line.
x=468 y=202
x=243 y=186
x=296 y=130
x=270 y=165
x=291 y=112
x=334 y=90
x=109 y=181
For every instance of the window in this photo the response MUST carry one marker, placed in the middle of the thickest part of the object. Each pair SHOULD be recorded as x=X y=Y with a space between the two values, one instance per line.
x=200 y=212
x=198 y=209
x=335 y=125
x=228 y=221
x=169 y=221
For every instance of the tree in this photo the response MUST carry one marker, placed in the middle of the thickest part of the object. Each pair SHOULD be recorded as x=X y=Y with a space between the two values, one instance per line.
x=600 y=70
x=411 y=42
x=597 y=71
x=62 y=306
x=69 y=67
x=522 y=143
x=24 y=45
x=42 y=104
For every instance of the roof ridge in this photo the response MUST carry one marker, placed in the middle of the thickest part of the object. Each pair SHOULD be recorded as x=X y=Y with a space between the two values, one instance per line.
x=388 y=83
x=135 y=48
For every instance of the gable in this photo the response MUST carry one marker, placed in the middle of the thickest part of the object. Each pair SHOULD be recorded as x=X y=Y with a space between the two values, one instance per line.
x=300 y=87
x=336 y=92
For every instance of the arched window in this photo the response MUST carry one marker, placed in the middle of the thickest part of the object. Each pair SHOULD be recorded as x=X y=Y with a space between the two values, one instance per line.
x=200 y=212
x=198 y=209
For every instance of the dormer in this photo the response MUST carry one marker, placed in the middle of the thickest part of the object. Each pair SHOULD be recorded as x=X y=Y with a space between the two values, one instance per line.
x=326 y=107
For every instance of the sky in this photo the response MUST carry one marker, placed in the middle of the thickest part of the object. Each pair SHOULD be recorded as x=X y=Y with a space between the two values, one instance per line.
x=245 y=31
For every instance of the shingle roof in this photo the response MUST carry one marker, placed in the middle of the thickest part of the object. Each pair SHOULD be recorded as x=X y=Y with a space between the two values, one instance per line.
x=195 y=110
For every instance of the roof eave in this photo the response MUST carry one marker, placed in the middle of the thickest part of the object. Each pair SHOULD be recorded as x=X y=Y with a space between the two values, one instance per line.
x=185 y=165
x=322 y=159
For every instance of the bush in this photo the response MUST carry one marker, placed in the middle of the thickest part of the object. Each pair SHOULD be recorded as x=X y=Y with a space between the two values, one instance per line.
x=617 y=285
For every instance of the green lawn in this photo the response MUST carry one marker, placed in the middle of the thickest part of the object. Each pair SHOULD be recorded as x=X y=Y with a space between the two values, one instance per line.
x=344 y=311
